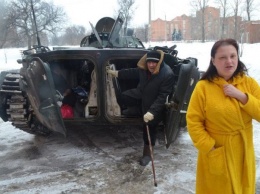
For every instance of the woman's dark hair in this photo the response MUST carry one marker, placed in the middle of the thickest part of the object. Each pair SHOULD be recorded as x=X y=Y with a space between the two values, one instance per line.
x=212 y=71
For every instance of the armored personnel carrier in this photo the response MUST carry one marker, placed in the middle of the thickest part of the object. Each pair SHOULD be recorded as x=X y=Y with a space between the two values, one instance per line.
x=33 y=98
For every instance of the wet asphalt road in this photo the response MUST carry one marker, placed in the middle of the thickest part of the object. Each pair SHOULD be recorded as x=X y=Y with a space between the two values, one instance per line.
x=93 y=160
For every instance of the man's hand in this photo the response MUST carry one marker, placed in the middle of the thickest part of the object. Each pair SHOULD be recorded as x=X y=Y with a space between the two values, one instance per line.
x=113 y=73
x=148 y=117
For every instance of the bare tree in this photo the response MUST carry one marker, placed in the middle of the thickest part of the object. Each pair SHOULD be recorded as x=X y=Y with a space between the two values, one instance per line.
x=142 y=33
x=249 y=7
x=48 y=18
x=223 y=8
x=199 y=6
x=73 y=35
x=3 y=29
x=7 y=33
x=126 y=7
x=236 y=9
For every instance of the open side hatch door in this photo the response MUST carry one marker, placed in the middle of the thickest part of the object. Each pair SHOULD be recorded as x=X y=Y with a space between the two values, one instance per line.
x=41 y=92
x=114 y=35
x=96 y=34
x=178 y=104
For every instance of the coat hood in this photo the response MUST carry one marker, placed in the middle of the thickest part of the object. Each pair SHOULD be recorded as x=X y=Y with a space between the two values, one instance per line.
x=142 y=63
x=234 y=81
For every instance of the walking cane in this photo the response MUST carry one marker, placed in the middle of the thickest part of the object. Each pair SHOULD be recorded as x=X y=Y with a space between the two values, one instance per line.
x=151 y=153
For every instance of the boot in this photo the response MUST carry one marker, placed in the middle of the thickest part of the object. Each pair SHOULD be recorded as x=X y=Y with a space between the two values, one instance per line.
x=146 y=156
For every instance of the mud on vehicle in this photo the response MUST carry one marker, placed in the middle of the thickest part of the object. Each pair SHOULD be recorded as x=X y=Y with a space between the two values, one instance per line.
x=32 y=97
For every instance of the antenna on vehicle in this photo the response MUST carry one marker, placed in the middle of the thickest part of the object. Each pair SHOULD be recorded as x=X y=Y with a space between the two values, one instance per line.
x=34 y=18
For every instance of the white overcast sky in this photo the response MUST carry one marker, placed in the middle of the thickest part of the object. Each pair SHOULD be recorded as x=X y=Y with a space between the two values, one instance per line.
x=81 y=12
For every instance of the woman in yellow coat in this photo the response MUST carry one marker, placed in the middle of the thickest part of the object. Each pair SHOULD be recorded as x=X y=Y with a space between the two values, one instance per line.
x=219 y=121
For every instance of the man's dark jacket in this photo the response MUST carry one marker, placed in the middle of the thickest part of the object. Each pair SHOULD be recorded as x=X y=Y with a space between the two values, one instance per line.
x=152 y=90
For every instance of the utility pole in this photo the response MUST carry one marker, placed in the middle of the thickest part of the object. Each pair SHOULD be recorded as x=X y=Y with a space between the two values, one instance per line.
x=165 y=30
x=149 y=24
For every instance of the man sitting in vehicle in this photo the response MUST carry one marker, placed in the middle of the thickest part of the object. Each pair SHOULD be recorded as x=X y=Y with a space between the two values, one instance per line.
x=155 y=84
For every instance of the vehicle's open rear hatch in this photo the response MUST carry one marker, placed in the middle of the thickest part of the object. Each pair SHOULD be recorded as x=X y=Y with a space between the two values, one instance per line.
x=178 y=104
x=39 y=87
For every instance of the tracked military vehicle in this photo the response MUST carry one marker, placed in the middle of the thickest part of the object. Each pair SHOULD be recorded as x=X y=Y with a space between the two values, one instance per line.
x=32 y=97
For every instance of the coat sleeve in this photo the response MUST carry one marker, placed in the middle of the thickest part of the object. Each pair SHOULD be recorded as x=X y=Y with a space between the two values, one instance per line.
x=132 y=73
x=196 y=121
x=252 y=107
x=165 y=89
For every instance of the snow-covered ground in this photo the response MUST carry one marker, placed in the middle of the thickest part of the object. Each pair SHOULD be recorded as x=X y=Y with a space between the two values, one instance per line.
x=105 y=160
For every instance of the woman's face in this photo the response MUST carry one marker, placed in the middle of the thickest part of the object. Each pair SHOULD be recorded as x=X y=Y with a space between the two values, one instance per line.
x=226 y=61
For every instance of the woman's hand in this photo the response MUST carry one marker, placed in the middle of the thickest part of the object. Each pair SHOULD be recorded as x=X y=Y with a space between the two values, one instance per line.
x=232 y=91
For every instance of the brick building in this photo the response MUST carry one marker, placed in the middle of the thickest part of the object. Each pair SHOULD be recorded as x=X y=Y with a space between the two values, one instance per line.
x=191 y=28
x=163 y=30
x=158 y=30
x=250 y=32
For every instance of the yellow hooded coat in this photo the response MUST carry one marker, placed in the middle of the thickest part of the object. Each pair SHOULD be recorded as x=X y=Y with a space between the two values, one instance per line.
x=214 y=119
